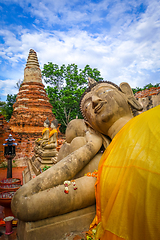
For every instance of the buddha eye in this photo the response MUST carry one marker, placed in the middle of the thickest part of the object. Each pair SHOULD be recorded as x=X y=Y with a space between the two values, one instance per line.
x=104 y=92
x=87 y=105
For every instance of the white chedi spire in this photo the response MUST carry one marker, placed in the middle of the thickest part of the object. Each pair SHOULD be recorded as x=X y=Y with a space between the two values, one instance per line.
x=32 y=71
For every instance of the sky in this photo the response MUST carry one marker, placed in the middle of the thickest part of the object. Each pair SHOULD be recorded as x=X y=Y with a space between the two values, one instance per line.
x=121 y=38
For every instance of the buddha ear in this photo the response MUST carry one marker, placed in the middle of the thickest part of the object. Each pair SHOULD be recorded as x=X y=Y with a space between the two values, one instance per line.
x=126 y=89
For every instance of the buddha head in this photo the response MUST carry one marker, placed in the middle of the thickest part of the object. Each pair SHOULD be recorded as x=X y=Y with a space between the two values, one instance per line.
x=103 y=103
x=54 y=124
x=46 y=123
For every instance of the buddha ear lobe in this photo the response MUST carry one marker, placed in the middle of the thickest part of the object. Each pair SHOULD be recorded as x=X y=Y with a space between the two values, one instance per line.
x=126 y=89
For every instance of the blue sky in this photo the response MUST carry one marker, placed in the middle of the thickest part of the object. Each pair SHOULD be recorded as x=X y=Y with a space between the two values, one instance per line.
x=119 y=37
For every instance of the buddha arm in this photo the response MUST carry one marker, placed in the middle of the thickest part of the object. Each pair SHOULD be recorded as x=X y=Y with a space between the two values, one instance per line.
x=54 y=202
x=66 y=169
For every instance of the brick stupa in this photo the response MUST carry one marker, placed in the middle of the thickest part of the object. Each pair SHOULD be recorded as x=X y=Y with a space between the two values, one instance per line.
x=32 y=105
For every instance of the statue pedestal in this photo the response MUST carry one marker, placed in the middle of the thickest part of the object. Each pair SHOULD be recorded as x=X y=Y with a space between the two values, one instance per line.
x=36 y=163
x=45 y=161
x=57 y=227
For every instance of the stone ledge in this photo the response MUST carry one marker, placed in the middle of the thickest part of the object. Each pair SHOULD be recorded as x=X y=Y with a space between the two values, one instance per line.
x=56 y=228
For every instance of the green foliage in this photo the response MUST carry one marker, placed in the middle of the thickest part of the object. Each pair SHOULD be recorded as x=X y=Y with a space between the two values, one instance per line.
x=68 y=84
x=2 y=106
x=148 y=86
x=7 y=108
x=137 y=89
x=45 y=168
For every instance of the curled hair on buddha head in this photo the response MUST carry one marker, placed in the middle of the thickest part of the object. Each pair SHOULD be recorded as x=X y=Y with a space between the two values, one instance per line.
x=47 y=121
x=124 y=88
x=55 y=122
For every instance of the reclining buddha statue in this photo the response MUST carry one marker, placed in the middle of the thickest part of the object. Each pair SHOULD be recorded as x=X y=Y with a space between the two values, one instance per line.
x=127 y=186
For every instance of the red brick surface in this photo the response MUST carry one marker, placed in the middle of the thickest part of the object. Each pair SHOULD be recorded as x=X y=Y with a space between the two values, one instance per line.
x=31 y=109
x=147 y=92
x=25 y=140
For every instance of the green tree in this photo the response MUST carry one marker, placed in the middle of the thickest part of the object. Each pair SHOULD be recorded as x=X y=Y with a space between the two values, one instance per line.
x=2 y=106
x=150 y=85
x=6 y=109
x=137 y=89
x=67 y=83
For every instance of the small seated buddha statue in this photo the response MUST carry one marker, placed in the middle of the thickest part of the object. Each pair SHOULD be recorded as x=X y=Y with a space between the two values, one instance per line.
x=48 y=148
x=52 y=143
x=45 y=136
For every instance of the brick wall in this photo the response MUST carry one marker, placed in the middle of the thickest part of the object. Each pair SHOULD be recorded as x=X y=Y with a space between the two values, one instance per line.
x=149 y=98
x=147 y=92
x=4 y=132
x=25 y=141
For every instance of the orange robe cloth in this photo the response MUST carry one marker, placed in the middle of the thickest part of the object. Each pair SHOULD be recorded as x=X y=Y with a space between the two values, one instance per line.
x=128 y=183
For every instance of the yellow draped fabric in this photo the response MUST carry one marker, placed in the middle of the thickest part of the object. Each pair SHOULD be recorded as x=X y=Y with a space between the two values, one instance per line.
x=52 y=132
x=128 y=183
x=44 y=130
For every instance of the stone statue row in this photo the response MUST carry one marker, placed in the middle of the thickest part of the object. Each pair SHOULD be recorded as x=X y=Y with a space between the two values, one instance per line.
x=45 y=147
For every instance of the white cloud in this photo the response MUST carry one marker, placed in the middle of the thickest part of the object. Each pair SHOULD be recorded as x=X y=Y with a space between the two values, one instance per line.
x=128 y=51
x=7 y=87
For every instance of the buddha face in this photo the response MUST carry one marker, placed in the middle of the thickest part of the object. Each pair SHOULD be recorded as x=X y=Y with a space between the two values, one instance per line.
x=103 y=106
x=52 y=125
x=46 y=125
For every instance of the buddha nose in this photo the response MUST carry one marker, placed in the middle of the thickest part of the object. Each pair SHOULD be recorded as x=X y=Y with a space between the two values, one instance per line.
x=95 y=100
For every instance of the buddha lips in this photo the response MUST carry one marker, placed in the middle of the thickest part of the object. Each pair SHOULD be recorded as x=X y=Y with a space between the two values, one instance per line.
x=66 y=185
